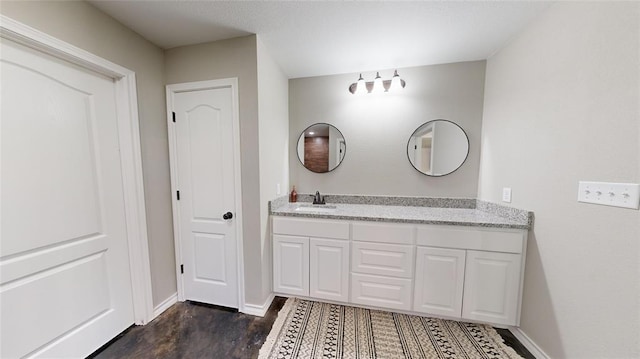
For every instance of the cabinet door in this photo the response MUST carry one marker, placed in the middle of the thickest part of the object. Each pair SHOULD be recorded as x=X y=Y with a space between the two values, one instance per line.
x=439 y=281
x=492 y=287
x=291 y=265
x=329 y=269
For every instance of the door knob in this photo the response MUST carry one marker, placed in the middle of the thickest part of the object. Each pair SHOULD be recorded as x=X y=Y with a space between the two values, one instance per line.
x=227 y=215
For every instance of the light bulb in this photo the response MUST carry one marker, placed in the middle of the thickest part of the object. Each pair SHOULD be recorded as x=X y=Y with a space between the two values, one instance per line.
x=395 y=82
x=361 y=86
x=377 y=84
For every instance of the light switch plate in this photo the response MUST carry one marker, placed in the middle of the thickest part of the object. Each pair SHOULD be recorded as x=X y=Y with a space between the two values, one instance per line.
x=506 y=194
x=625 y=195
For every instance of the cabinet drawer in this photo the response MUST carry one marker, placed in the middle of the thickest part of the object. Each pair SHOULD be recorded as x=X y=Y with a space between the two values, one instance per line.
x=311 y=227
x=393 y=293
x=383 y=232
x=383 y=259
x=474 y=239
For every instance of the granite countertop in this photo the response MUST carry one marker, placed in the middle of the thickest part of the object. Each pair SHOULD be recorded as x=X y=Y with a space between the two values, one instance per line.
x=444 y=211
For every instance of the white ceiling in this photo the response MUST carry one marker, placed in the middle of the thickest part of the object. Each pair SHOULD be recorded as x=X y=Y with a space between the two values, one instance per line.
x=330 y=37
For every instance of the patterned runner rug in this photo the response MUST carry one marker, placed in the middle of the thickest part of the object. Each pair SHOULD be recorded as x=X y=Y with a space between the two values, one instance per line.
x=309 y=330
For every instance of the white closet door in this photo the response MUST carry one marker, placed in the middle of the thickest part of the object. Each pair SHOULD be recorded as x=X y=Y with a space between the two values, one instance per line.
x=65 y=286
x=205 y=179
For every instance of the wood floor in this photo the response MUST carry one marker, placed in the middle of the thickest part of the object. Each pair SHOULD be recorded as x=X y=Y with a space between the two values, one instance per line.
x=193 y=330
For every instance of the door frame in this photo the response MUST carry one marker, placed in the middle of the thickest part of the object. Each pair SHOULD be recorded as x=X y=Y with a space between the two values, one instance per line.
x=171 y=90
x=130 y=151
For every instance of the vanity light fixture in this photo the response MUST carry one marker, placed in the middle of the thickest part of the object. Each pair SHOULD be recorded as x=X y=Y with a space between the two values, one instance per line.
x=378 y=85
x=396 y=82
x=360 y=87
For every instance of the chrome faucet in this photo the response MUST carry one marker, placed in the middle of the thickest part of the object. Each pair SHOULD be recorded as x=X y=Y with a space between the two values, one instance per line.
x=318 y=199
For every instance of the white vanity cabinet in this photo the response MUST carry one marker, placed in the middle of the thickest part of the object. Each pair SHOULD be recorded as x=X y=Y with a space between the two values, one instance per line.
x=311 y=258
x=458 y=272
x=470 y=273
x=382 y=264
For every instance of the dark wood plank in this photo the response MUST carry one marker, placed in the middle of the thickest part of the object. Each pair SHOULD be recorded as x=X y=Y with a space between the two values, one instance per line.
x=511 y=341
x=316 y=154
x=193 y=330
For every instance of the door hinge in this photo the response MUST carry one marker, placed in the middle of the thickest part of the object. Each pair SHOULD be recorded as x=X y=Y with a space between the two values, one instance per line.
x=182 y=269
x=178 y=195
x=174 y=116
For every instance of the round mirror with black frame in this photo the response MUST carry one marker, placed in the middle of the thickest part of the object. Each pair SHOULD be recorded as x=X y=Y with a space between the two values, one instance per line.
x=438 y=148
x=321 y=148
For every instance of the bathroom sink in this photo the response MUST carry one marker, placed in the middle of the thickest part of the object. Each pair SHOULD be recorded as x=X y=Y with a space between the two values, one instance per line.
x=320 y=208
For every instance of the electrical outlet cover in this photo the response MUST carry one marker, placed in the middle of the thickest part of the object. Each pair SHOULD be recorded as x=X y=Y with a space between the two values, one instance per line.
x=506 y=194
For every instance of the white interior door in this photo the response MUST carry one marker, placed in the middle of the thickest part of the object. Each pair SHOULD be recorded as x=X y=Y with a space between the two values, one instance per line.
x=205 y=181
x=65 y=281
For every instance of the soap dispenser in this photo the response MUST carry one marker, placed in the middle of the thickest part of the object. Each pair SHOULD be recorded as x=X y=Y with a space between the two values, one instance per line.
x=293 y=197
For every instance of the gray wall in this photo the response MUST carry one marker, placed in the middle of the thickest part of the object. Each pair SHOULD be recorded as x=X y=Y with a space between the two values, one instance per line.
x=223 y=59
x=86 y=27
x=562 y=105
x=377 y=128
x=274 y=151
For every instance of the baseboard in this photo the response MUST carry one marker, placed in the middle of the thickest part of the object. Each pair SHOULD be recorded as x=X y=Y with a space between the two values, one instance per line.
x=531 y=346
x=160 y=308
x=258 y=310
